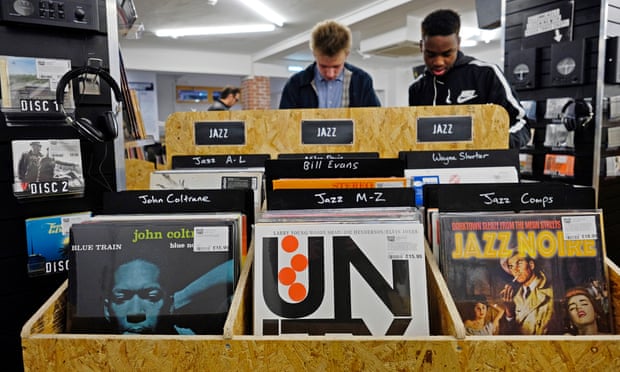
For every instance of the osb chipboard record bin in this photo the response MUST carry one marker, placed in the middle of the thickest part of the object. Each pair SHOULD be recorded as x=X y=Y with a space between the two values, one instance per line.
x=385 y=130
x=46 y=347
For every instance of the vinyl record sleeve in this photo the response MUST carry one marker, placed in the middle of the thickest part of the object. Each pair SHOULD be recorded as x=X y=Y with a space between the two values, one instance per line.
x=45 y=168
x=48 y=242
x=417 y=178
x=490 y=259
x=339 y=183
x=29 y=84
x=341 y=214
x=340 y=278
x=163 y=275
x=559 y=165
x=211 y=179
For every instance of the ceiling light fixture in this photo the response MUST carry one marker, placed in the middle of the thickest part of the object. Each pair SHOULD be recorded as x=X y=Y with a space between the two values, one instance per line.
x=215 y=30
x=293 y=68
x=468 y=43
x=265 y=11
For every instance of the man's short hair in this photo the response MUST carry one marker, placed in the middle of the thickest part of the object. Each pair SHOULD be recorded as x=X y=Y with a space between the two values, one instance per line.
x=442 y=22
x=227 y=91
x=330 y=38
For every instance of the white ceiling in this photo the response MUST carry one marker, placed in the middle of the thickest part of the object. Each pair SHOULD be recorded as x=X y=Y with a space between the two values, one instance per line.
x=380 y=23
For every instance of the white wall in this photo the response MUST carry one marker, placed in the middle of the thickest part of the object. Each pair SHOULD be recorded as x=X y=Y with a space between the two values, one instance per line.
x=211 y=69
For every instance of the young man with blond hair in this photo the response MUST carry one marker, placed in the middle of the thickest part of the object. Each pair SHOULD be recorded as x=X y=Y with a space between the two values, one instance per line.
x=330 y=81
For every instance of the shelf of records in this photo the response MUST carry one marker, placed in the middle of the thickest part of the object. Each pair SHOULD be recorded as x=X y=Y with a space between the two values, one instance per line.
x=147 y=150
x=344 y=275
x=564 y=165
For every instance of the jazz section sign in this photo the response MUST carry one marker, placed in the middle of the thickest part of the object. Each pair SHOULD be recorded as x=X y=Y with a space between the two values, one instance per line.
x=548 y=25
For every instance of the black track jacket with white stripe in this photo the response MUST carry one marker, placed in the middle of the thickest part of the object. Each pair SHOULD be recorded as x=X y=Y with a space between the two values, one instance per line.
x=469 y=82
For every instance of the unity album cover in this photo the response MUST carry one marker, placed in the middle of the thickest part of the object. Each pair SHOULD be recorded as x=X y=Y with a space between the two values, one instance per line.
x=357 y=279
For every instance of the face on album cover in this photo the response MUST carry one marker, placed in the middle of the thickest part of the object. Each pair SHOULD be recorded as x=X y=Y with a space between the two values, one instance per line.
x=162 y=277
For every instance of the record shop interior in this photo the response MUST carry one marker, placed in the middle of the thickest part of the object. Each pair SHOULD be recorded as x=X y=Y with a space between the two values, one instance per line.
x=162 y=212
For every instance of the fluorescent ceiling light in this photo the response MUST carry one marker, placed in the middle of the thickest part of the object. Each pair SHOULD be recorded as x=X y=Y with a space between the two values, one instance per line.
x=468 y=43
x=215 y=30
x=292 y=68
x=469 y=32
x=265 y=11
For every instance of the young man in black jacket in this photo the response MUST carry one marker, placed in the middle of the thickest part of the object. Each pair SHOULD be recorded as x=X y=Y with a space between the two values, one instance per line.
x=330 y=81
x=453 y=78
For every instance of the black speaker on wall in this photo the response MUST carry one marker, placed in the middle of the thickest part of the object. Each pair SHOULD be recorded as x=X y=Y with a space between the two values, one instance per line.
x=489 y=13
x=522 y=68
x=567 y=63
x=612 y=61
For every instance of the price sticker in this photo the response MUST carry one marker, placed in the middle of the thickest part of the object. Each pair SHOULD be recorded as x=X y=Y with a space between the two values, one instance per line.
x=211 y=239
x=579 y=228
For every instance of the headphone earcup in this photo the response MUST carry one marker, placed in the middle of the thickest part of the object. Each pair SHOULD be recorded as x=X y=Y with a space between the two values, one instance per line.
x=568 y=116
x=106 y=122
x=576 y=113
x=86 y=128
x=108 y=125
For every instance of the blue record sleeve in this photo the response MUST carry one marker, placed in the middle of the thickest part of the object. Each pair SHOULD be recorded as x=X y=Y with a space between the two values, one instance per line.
x=48 y=239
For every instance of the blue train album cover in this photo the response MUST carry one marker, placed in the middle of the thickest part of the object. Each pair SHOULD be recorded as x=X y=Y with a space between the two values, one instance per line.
x=153 y=274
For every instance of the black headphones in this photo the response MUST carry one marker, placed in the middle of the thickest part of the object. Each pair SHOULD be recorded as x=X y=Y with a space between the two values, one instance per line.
x=106 y=128
x=576 y=113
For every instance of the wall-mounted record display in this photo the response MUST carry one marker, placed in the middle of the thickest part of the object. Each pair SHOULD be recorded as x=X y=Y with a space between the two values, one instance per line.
x=522 y=68
x=567 y=63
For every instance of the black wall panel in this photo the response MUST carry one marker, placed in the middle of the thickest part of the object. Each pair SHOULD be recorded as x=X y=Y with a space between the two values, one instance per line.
x=21 y=295
x=585 y=27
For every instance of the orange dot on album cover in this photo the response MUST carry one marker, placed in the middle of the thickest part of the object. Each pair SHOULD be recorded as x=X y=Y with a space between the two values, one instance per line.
x=299 y=262
x=289 y=243
x=286 y=276
x=297 y=291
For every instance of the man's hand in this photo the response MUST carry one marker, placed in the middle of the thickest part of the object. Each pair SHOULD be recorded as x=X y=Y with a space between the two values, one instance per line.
x=507 y=295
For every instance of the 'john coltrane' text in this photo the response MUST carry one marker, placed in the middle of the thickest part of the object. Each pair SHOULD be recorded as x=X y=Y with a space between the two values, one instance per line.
x=174 y=199
x=147 y=234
